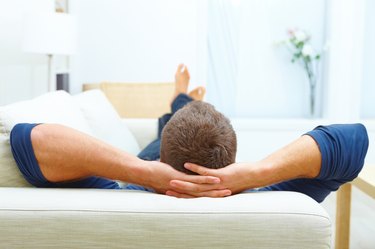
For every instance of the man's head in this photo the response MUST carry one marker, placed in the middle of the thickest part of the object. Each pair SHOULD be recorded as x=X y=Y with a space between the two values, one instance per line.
x=197 y=133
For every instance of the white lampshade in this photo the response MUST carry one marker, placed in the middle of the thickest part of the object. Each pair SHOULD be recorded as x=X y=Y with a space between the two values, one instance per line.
x=52 y=33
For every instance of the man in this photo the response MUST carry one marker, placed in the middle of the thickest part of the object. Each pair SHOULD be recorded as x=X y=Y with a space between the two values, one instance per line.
x=193 y=132
x=316 y=163
x=198 y=133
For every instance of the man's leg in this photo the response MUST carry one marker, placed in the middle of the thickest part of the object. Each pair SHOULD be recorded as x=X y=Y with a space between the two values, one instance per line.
x=152 y=151
x=178 y=102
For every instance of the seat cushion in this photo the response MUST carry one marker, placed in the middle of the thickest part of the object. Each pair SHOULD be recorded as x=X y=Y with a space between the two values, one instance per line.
x=67 y=218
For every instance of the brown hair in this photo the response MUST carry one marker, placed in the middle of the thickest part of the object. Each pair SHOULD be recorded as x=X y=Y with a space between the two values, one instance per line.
x=198 y=133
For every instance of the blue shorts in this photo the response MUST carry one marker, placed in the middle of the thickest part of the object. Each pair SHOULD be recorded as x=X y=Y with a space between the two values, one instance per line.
x=23 y=153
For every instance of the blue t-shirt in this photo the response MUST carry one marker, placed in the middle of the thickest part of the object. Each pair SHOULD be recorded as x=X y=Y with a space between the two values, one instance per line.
x=343 y=148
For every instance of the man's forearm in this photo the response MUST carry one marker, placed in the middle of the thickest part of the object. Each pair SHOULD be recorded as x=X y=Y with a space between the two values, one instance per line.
x=333 y=153
x=299 y=159
x=65 y=154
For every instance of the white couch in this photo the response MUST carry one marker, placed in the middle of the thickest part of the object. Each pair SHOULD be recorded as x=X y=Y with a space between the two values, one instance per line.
x=91 y=218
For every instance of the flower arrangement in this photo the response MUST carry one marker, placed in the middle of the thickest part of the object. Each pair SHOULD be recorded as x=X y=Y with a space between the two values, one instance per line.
x=298 y=43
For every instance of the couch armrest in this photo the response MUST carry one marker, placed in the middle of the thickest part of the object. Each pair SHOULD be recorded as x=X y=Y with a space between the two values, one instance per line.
x=143 y=129
x=90 y=218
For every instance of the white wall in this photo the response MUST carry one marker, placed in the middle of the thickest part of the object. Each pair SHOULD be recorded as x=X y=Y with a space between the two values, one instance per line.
x=144 y=41
x=133 y=41
x=368 y=86
x=22 y=75
x=257 y=138
x=269 y=85
x=125 y=40
x=345 y=60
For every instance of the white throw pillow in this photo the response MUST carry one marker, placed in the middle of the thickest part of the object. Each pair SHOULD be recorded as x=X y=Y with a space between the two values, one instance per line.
x=55 y=107
x=105 y=122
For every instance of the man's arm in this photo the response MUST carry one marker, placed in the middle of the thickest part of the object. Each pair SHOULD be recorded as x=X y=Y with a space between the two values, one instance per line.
x=328 y=155
x=64 y=154
x=299 y=159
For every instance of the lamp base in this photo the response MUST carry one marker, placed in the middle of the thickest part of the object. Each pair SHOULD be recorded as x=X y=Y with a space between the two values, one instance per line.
x=62 y=82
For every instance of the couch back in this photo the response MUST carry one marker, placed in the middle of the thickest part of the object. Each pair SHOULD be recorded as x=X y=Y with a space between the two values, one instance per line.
x=151 y=99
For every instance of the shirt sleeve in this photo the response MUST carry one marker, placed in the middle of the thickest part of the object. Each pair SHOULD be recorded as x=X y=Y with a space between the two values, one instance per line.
x=343 y=148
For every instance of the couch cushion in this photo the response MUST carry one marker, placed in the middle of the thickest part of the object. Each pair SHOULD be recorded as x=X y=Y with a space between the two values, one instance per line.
x=105 y=122
x=133 y=219
x=55 y=107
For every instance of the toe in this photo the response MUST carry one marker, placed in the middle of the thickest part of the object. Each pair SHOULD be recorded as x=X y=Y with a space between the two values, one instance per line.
x=180 y=68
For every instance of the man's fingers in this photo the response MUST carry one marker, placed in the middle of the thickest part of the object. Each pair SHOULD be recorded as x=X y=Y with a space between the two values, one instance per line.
x=212 y=193
x=199 y=169
x=215 y=193
x=178 y=195
x=202 y=179
x=189 y=187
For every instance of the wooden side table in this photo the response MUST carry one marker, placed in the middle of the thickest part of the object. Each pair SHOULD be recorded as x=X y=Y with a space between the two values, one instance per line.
x=366 y=183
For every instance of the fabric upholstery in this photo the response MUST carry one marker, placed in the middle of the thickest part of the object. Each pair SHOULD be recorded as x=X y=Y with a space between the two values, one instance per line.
x=104 y=121
x=132 y=219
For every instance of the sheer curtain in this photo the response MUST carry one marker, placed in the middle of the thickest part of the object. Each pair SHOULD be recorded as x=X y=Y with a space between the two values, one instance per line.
x=223 y=48
x=247 y=74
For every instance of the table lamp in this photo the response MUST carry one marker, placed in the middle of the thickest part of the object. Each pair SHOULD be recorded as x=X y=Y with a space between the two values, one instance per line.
x=50 y=34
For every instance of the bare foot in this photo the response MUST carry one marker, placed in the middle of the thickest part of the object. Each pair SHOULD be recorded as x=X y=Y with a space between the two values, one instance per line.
x=182 y=78
x=197 y=93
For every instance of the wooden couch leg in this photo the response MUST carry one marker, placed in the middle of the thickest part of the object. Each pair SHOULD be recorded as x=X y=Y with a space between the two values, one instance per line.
x=343 y=216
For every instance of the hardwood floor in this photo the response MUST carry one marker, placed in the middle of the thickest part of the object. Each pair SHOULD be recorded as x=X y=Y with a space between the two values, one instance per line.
x=362 y=228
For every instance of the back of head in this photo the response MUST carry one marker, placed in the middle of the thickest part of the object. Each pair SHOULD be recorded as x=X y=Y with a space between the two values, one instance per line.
x=197 y=133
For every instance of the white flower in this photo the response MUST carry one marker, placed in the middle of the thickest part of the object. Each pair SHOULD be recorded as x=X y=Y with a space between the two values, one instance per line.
x=307 y=50
x=300 y=35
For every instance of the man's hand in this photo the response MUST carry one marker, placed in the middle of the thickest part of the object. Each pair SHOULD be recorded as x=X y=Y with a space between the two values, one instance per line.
x=162 y=175
x=235 y=177
x=299 y=159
